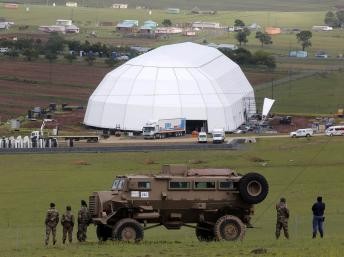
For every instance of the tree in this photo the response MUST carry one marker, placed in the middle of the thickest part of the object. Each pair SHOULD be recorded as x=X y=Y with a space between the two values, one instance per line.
x=241 y=36
x=30 y=54
x=340 y=18
x=90 y=59
x=263 y=58
x=331 y=19
x=304 y=37
x=111 y=62
x=70 y=57
x=55 y=43
x=264 y=38
x=166 y=23
x=239 y=23
x=51 y=57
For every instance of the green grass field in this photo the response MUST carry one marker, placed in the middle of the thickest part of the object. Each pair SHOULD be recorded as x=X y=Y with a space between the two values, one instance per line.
x=298 y=169
x=320 y=94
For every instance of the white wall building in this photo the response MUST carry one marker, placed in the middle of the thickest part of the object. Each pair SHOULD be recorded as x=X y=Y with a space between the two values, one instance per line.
x=186 y=80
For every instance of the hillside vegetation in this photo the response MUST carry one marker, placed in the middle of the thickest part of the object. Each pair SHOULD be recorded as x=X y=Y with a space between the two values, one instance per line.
x=247 y=5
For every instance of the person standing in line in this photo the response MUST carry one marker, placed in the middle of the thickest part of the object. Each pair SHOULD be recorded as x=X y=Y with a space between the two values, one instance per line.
x=51 y=221
x=67 y=222
x=83 y=222
x=318 y=210
x=282 y=218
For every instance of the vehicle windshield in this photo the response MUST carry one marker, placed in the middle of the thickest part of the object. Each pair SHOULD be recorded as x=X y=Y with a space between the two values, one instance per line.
x=202 y=136
x=148 y=129
x=217 y=135
x=118 y=184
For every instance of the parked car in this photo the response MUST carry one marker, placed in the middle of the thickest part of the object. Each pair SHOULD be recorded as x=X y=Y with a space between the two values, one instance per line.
x=307 y=132
x=321 y=54
x=335 y=131
x=202 y=137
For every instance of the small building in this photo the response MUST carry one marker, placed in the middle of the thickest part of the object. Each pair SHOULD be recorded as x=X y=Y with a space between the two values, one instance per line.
x=254 y=26
x=223 y=46
x=272 y=30
x=189 y=33
x=71 y=4
x=4 y=25
x=168 y=30
x=206 y=25
x=322 y=28
x=173 y=10
x=120 y=6
x=148 y=27
x=127 y=26
x=196 y=10
x=63 y=22
x=11 y=6
x=298 y=54
x=52 y=28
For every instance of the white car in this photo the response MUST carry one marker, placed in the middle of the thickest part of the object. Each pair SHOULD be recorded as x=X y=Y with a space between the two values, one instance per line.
x=307 y=132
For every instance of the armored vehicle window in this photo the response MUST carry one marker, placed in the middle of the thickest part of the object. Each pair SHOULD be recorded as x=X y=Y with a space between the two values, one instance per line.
x=181 y=185
x=143 y=185
x=226 y=185
x=118 y=184
x=205 y=185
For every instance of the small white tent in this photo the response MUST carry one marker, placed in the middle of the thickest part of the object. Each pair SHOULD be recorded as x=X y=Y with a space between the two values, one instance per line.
x=184 y=80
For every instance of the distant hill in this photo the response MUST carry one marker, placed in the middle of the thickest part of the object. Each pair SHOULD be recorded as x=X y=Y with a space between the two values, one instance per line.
x=249 y=5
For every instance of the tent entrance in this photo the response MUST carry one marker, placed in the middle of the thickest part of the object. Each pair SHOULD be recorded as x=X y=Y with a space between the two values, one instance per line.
x=198 y=125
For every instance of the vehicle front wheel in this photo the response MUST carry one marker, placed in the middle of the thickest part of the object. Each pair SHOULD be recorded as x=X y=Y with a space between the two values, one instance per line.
x=128 y=230
x=229 y=228
x=103 y=232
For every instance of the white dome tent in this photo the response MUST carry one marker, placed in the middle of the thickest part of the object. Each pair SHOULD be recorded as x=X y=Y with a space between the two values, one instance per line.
x=184 y=80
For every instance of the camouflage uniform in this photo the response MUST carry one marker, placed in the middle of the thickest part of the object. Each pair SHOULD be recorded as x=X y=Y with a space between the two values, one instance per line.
x=282 y=219
x=83 y=222
x=67 y=222
x=51 y=221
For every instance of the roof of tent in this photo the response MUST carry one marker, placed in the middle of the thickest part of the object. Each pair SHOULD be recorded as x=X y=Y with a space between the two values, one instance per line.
x=180 y=80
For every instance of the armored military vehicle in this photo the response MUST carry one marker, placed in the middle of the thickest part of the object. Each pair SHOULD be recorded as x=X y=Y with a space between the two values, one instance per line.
x=217 y=203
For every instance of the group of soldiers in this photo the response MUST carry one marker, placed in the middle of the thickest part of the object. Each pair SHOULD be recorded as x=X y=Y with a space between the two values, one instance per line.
x=67 y=221
x=318 y=209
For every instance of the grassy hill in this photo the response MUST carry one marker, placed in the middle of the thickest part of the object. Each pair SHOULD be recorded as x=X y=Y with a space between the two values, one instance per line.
x=247 y=5
x=320 y=94
x=298 y=169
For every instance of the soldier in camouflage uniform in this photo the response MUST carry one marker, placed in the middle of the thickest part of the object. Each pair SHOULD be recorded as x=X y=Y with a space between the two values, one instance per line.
x=83 y=222
x=67 y=222
x=51 y=221
x=282 y=218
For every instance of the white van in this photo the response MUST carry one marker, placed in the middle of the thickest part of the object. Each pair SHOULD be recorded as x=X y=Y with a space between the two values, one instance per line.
x=202 y=137
x=218 y=136
x=307 y=132
x=335 y=131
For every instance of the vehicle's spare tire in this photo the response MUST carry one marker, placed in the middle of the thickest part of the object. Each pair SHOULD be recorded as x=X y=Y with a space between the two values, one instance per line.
x=253 y=188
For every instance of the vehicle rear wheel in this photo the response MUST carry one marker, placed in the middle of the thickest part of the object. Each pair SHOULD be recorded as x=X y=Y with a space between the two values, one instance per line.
x=128 y=230
x=253 y=188
x=308 y=135
x=103 y=232
x=205 y=232
x=229 y=228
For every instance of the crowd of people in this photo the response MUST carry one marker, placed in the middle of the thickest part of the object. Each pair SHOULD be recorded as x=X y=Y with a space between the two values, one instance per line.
x=52 y=219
